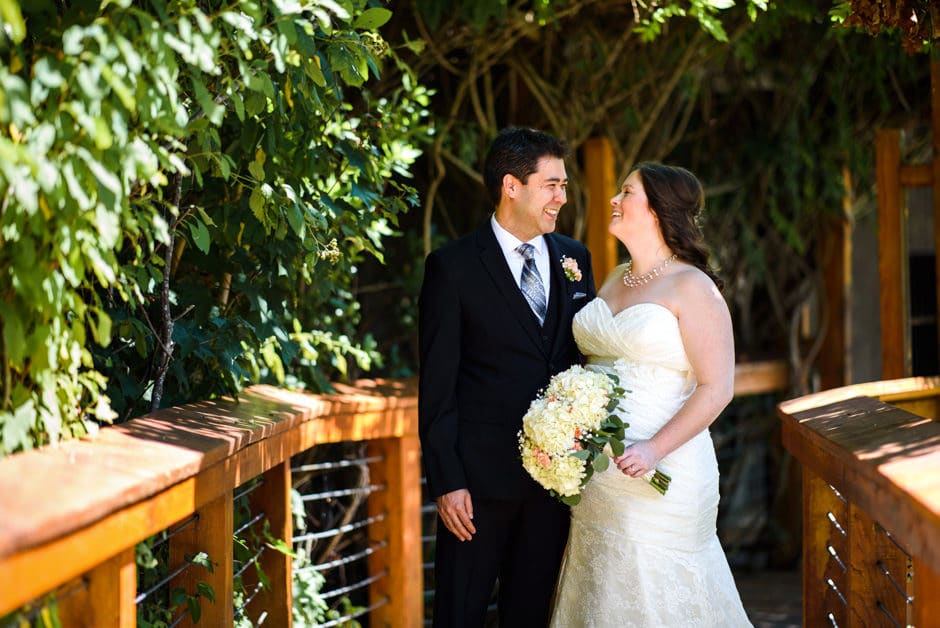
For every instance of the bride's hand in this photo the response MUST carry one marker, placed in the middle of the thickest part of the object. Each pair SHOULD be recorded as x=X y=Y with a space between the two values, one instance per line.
x=638 y=459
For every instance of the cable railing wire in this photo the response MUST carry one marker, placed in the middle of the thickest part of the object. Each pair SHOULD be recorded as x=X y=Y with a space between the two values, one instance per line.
x=166 y=579
x=887 y=613
x=250 y=523
x=240 y=611
x=349 y=588
x=33 y=614
x=247 y=490
x=336 y=464
x=344 y=492
x=173 y=531
x=345 y=618
x=887 y=573
x=349 y=527
x=345 y=560
x=248 y=563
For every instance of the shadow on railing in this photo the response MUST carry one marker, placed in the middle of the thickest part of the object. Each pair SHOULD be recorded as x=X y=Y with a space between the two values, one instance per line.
x=871 y=502
x=190 y=478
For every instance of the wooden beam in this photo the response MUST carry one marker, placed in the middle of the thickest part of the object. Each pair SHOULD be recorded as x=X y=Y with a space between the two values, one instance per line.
x=753 y=378
x=601 y=185
x=835 y=255
x=892 y=258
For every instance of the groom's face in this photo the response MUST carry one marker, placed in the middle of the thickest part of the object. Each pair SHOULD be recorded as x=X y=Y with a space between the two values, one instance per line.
x=535 y=204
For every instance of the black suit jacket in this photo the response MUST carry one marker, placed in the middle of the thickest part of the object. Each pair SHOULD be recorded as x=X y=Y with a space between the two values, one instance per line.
x=484 y=357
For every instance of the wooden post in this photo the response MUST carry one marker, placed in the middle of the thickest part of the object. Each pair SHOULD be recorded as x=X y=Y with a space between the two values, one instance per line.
x=105 y=597
x=926 y=600
x=400 y=472
x=871 y=553
x=273 y=499
x=211 y=533
x=601 y=186
x=835 y=253
x=892 y=258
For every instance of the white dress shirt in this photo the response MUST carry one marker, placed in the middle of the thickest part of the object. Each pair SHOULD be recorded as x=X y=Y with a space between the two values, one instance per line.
x=508 y=243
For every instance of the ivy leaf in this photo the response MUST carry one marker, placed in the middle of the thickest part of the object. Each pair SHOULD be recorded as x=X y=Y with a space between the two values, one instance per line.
x=214 y=111
x=14 y=335
x=200 y=235
x=195 y=611
x=205 y=590
x=600 y=463
x=10 y=14
x=373 y=18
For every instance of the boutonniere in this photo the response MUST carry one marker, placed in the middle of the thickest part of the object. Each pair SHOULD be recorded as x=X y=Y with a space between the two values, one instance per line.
x=570 y=266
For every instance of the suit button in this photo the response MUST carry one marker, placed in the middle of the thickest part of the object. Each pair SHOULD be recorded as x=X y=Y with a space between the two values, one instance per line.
x=551 y=367
x=544 y=338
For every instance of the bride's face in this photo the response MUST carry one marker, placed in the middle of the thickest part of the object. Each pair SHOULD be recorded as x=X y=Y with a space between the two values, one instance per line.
x=630 y=210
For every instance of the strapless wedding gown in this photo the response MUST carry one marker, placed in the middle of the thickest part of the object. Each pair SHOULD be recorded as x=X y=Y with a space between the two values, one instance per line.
x=635 y=557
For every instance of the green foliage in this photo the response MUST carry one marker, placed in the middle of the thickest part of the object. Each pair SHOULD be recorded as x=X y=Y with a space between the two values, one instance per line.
x=186 y=191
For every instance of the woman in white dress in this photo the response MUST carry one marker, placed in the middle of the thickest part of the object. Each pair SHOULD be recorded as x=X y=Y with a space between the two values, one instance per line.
x=635 y=557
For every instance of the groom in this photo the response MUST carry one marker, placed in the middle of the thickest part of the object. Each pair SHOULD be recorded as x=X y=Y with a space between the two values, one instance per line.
x=495 y=325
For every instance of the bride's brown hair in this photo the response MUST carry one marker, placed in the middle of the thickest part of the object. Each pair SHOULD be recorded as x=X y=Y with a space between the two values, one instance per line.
x=677 y=198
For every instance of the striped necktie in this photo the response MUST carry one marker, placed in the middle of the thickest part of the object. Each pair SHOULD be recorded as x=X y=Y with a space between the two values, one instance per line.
x=531 y=283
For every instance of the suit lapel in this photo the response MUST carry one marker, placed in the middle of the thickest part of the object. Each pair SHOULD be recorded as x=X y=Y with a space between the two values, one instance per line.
x=560 y=296
x=492 y=258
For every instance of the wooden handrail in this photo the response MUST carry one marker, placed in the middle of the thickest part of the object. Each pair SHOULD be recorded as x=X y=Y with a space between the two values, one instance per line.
x=68 y=510
x=871 y=500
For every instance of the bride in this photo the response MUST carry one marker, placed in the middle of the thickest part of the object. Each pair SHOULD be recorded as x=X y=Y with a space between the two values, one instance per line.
x=635 y=557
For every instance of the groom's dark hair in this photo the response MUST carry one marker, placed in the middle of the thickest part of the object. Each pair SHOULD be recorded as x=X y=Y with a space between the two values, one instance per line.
x=516 y=151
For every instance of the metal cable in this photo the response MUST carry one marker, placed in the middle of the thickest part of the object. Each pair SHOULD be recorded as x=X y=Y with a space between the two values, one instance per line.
x=171 y=532
x=345 y=492
x=340 y=530
x=250 y=523
x=340 y=620
x=355 y=586
x=336 y=464
x=249 y=562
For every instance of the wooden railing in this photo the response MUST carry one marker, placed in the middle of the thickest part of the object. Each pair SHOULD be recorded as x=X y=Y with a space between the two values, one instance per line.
x=77 y=511
x=871 y=502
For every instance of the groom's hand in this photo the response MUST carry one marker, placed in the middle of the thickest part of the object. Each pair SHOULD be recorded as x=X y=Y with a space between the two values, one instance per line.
x=456 y=511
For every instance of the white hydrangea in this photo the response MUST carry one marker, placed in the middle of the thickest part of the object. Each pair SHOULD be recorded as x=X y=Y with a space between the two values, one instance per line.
x=572 y=406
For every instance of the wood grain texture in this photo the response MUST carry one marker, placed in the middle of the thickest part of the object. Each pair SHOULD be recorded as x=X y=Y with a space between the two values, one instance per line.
x=892 y=257
x=885 y=463
x=67 y=509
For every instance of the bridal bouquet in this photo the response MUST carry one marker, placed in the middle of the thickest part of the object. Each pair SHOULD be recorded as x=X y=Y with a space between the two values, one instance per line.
x=566 y=429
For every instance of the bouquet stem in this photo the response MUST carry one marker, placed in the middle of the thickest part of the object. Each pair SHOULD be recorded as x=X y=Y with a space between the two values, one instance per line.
x=658 y=480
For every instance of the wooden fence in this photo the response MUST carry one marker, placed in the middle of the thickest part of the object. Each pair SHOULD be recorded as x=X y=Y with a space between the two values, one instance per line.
x=871 y=502
x=75 y=513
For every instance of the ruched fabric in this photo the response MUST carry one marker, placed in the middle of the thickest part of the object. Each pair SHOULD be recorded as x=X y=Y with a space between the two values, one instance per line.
x=635 y=557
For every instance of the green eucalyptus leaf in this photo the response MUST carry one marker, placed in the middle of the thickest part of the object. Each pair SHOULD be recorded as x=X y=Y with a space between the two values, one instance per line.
x=617 y=446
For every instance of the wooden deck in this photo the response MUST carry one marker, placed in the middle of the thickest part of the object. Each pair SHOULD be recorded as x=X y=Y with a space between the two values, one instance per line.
x=772 y=599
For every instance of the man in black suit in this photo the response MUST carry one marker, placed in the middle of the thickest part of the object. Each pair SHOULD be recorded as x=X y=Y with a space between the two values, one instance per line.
x=494 y=326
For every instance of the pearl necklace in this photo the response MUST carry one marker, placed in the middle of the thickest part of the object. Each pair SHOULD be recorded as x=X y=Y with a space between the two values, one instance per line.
x=632 y=281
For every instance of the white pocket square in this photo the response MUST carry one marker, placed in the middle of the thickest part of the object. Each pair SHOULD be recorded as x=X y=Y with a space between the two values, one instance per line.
x=578 y=295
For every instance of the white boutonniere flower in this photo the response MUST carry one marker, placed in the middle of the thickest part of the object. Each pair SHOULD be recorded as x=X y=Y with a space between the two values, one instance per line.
x=570 y=266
